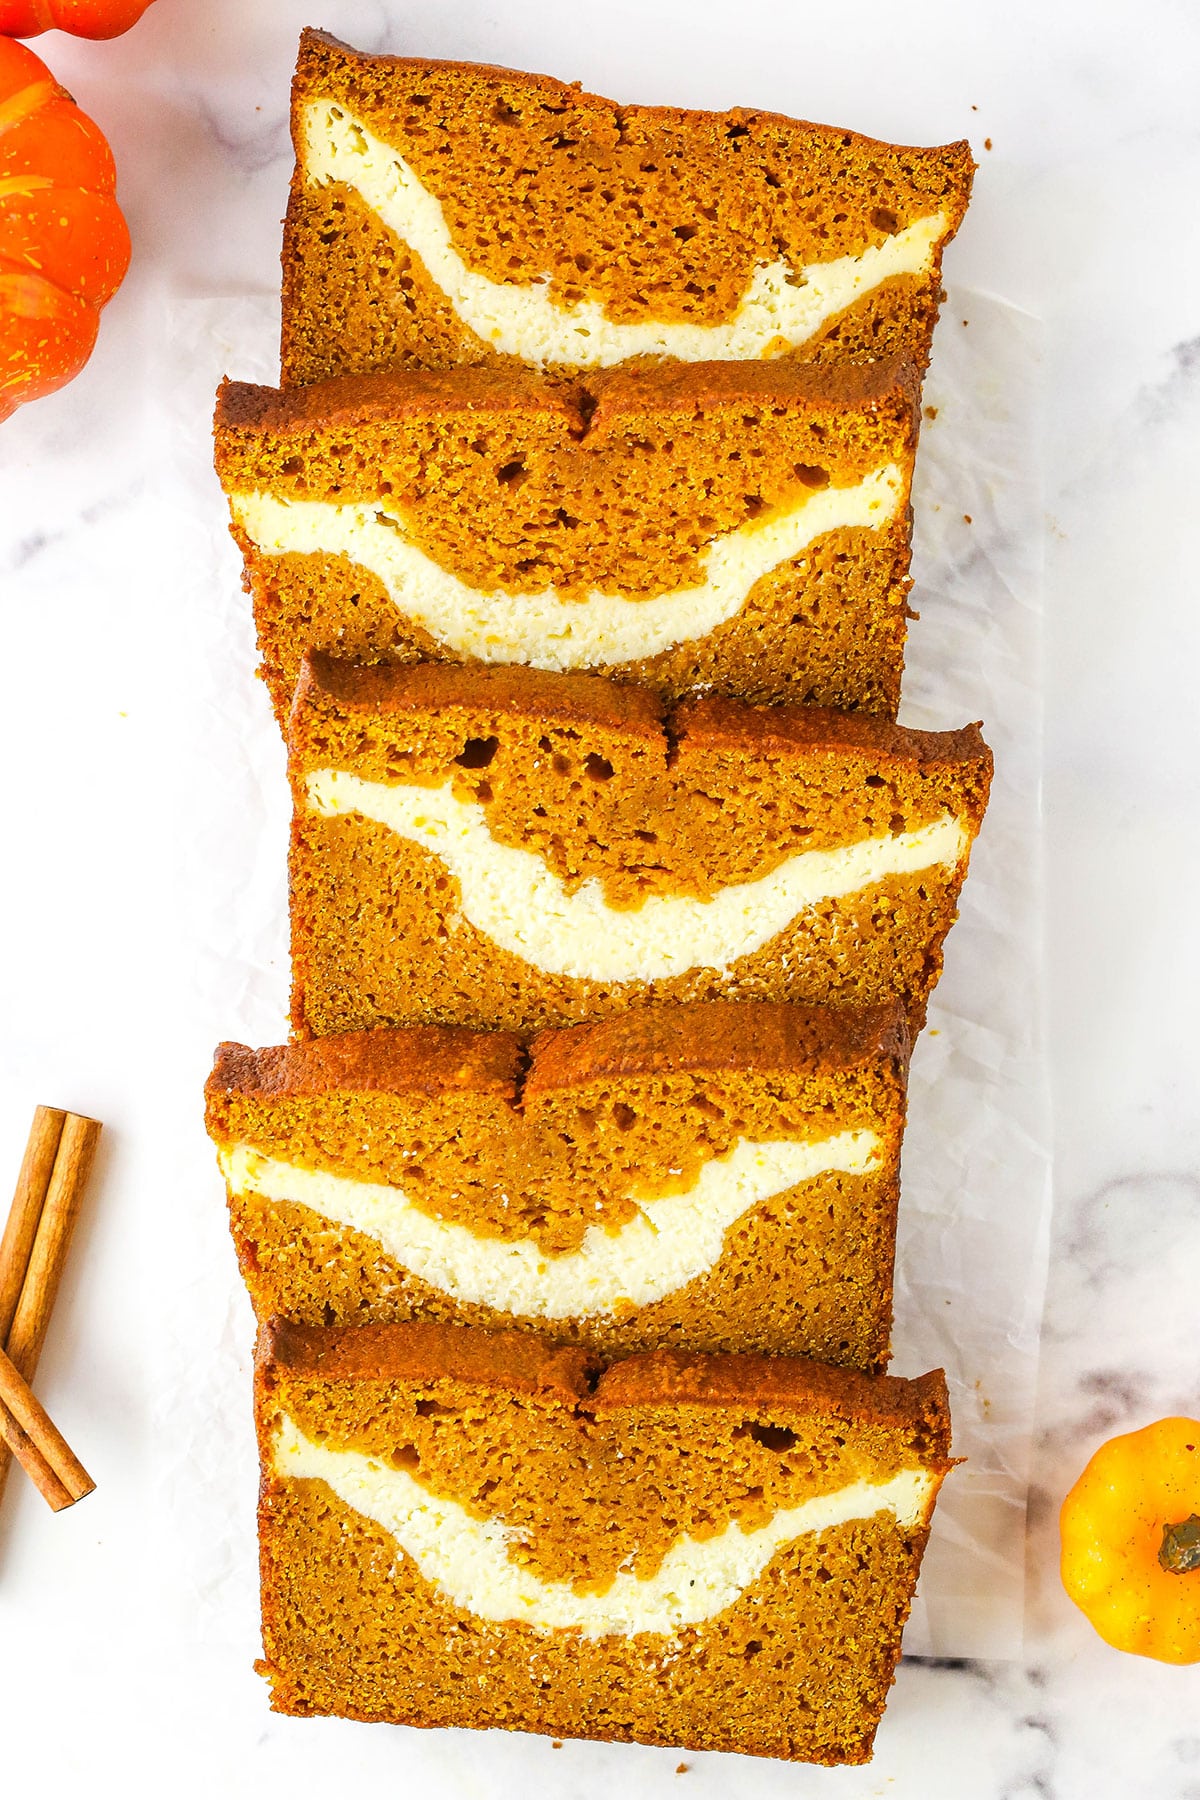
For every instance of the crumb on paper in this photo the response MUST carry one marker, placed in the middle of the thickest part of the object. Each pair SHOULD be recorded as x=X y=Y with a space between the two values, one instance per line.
x=987 y=143
x=681 y=1768
x=931 y=412
x=967 y=519
x=966 y=321
x=974 y=108
x=556 y=1743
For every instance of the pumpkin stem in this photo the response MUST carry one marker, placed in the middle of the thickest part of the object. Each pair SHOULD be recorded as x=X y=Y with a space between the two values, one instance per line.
x=1180 y=1552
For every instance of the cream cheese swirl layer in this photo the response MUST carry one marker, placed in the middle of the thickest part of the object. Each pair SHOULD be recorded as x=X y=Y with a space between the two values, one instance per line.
x=544 y=629
x=782 y=305
x=668 y=1243
x=510 y=895
x=467 y=1560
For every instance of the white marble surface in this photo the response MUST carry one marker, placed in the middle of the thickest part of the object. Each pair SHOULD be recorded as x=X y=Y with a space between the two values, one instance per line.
x=1084 y=214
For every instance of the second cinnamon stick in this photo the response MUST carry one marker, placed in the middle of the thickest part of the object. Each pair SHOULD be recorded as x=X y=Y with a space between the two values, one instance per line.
x=34 y=1439
x=33 y=1182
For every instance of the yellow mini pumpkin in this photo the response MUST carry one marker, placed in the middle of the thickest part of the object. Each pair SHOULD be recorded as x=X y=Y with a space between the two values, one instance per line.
x=1131 y=1541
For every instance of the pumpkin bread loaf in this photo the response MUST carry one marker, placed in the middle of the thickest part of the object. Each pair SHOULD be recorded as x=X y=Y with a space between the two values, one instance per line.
x=508 y=849
x=737 y=527
x=465 y=1528
x=446 y=213
x=715 y=1176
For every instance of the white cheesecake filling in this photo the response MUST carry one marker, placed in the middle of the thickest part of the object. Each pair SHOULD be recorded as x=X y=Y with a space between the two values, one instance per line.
x=514 y=899
x=467 y=1560
x=668 y=1243
x=545 y=629
x=781 y=304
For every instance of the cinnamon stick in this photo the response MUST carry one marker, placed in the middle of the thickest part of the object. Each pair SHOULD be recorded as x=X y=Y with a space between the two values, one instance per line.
x=47 y=1258
x=36 y=1169
x=34 y=1439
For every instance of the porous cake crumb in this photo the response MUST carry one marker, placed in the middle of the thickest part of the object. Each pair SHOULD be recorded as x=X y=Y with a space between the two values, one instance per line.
x=708 y=1552
x=511 y=849
x=717 y=1176
x=446 y=213
x=741 y=528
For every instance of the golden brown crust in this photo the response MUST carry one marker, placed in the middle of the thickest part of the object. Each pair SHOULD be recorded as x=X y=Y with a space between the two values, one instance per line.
x=249 y=408
x=433 y=1059
x=507 y=1361
x=717 y=1035
x=919 y=1409
x=381 y=690
x=429 y=1060
x=514 y=1363
x=714 y=721
x=597 y=408
x=891 y=384
x=538 y=697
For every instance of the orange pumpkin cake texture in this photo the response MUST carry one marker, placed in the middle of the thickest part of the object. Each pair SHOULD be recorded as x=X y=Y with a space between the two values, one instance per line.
x=741 y=528
x=445 y=213
x=718 y=1176
x=507 y=848
x=713 y=1552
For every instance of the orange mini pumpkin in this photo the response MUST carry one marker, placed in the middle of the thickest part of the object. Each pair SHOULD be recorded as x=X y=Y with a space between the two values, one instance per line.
x=82 y=18
x=64 y=246
x=1131 y=1541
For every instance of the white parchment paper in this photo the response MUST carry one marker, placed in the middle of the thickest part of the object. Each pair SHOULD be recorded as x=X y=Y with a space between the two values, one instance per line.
x=975 y=1207
x=971 y=1256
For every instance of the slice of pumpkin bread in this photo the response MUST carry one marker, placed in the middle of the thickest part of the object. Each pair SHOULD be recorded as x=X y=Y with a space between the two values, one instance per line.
x=461 y=1528
x=508 y=849
x=737 y=527
x=719 y=1176
x=447 y=213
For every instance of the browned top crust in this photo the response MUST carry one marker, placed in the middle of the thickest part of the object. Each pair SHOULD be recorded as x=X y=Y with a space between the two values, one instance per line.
x=674 y=1377
x=714 y=720
x=393 y=394
x=516 y=1363
x=681 y=387
x=429 y=1060
x=535 y=694
x=383 y=688
x=511 y=1361
x=702 y=1036
x=717 y=1035
x=593 y=409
